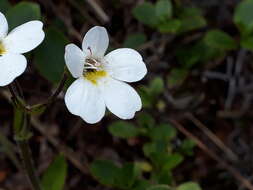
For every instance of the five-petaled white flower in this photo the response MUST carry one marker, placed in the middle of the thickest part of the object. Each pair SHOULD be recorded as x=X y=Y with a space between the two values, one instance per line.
x=20 y=40
x=101 y=79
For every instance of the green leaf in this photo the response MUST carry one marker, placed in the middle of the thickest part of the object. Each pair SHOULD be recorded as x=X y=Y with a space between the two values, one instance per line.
x=189 y=186
x=177 y=77
x=192 y=23
x=135 y=40
x=49 y=56
x=220 y=40
x=170 y=26
x=187 y=147
x=141 y=184
x=159 y=187
x=123 y=129
x=163 y=132
x=164 y=9
x=55 y=176
x=162 y=177
x=243 y=16
x=190 y=56
x=156 y=86
x=145 y=13
x=146 y=97
x=105 y=171
x=127 y=176
x=247 y=43
x=145 y=120
x=187 y=12
x=172 y=161
x=155 y=147
x=23 y=12
x=4 y=6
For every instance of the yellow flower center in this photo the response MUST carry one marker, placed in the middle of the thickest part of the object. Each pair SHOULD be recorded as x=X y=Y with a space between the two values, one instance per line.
x=94 y=76
x=2 y=49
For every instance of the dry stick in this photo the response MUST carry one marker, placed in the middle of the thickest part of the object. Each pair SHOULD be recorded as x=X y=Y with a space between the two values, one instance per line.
x=76 y=5
x=212 y=137
x=10 y=150
x=245 y=182
x=67 y=152
x=98 y=10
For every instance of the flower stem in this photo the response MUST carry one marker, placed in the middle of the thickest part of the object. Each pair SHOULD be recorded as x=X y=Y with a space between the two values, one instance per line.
x=28 y=164
x=22 y=136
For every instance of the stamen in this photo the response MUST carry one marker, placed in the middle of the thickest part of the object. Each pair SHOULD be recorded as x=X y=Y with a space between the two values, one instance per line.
x=91 y=67
x=89 y=64
x=90 y=50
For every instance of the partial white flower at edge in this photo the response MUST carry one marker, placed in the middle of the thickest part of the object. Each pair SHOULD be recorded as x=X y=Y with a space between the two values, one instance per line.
x=20 y=40
x=100 y=79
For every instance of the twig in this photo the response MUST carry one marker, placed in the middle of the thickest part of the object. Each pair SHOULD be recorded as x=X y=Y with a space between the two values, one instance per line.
x=212 y=137
x=99 y=11
x=67 y=152
x=71 y=30
x=76 y=5
x=245 y=182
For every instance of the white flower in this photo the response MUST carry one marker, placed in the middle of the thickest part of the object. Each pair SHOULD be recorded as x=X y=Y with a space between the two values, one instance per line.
x=101 y=79
x=20 y=40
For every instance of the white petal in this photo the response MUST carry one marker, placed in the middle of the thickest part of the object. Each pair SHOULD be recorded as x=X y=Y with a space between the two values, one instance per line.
x=3 y=26
x=74 y=58
x=125 y=64
x=96 y=41
x=84 y=99
x=121 y=99
x=25 y=37
x=12 y=65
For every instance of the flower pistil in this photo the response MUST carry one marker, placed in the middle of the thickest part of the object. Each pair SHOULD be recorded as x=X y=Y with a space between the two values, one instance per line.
x=94 y=76
x=2 y=48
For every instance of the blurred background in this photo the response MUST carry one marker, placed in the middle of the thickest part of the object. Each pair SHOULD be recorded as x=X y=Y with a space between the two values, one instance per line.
x=195 y=129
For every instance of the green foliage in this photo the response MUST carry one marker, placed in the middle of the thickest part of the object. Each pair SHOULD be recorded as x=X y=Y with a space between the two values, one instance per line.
x=243 y=17
x=49 y=57
x=191 y=23
x=177 y=77
x=4 y=6
x=156 y=86
x=160 y=187
x=189 y=186
x=161 y=157
x=160 y=16
x=247 y=42
x=191 y=19
x=105 y=171
x=189 y=55
x=163 y=9
x=22 y=12
x=149 y=94
x=187 y=146
x=146 y=14
x=111 y=175
x=123 y=129
x=55 y=176
x=170 y=26
x=220 y=40
x=163 y=132
x=135 y=40
x=146 y=120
